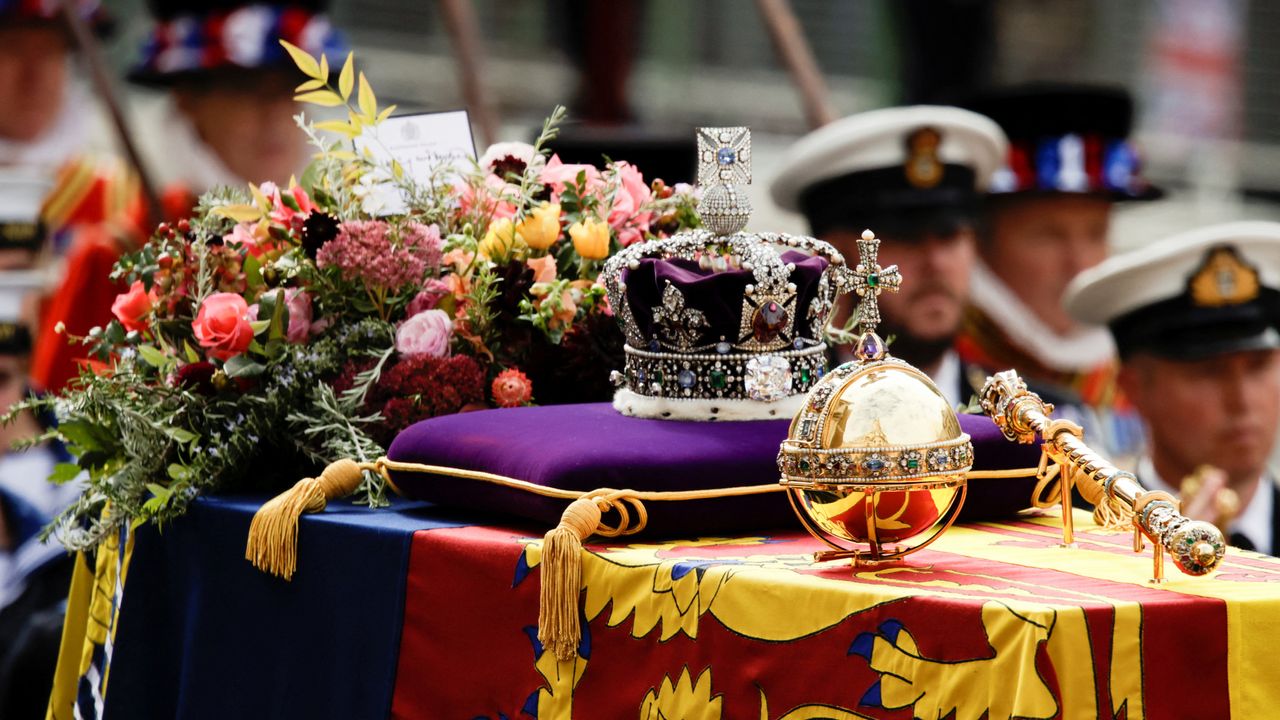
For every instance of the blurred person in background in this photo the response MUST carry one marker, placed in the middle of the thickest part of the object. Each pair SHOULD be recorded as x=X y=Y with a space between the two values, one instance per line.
x=226 y=120
x=1196 y=319
x=34 y=575
x=228 y=114
x=47 y=131
x=1045 y=219
x=913 y=176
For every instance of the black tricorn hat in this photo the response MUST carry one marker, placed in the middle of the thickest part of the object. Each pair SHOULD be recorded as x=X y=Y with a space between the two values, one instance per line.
x=200 y=40
x=1066 y=138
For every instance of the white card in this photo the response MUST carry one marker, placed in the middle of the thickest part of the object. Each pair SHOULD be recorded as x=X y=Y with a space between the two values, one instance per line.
x=422 y=144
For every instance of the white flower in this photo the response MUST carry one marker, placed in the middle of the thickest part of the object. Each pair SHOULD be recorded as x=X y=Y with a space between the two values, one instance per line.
x=521 y=152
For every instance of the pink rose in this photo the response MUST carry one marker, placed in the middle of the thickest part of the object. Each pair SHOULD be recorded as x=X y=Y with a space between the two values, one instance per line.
x=557 y=175
x=244 y=235
x=632 y=196
x=222 y=325
x=299 y=304
x=132 y=308
x=493 y=198
x=630 y=236
x=287 y=204
x=426 y=333
x=428 y=297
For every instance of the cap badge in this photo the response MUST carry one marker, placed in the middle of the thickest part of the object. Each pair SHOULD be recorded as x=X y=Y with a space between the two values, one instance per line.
x=1223 y=279
x=923 y=168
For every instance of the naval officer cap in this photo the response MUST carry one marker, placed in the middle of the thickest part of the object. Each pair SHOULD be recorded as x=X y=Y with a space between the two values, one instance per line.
x=1202 y=293
x=895 y=170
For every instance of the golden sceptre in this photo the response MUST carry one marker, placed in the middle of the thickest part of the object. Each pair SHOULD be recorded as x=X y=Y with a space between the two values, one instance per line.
x=1195 y=546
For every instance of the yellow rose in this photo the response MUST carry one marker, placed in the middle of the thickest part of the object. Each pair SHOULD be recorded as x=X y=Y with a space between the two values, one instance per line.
x=541 y=228
x=590 y=239
x=499 y=241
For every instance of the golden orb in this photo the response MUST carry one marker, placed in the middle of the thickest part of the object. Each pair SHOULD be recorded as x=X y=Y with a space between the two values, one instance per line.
x=875 y=462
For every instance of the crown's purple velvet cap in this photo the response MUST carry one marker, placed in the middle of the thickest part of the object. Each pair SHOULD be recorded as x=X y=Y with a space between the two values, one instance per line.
x=592 y=446
x=717 y=295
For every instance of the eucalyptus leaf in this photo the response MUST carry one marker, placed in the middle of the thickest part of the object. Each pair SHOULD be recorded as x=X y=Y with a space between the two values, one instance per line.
x=65 y=472
x=241 y=366
x=154 y=357
x=179 y=435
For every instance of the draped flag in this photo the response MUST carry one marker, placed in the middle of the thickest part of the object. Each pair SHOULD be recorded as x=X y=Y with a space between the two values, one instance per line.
x=994 y=620
x=93 y=608
x=421 y=612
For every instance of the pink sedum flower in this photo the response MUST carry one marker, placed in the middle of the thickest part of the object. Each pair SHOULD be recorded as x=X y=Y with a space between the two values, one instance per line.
x=381 y=256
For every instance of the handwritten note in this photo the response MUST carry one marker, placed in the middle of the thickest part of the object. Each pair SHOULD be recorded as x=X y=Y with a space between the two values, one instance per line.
x=422 y=144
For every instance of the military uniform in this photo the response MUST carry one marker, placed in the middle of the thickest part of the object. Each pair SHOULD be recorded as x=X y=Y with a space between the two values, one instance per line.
x=1065 y=141
x=190 y=41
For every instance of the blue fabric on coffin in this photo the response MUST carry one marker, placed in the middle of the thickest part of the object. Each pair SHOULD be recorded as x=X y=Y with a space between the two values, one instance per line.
x=591 y=446
x=324 y=645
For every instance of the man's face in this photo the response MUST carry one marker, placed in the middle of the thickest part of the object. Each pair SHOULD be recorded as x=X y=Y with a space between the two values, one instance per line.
x=249 y=126
x=33 y=75
x=1223 y=411
x=13 y=374
x=935 y=285
x=1036 y=245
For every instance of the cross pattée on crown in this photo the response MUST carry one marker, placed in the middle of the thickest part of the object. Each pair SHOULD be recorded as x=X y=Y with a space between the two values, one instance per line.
x=869 y=280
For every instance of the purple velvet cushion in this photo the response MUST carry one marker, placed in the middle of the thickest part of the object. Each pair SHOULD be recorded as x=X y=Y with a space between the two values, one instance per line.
x=585 y=447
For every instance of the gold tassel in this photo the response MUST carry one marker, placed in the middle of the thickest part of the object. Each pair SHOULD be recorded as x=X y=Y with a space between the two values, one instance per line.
x=273 y=533
x=558 y=628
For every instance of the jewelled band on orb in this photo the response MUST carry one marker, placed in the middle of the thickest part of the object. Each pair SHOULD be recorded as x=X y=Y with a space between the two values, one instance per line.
x=802 y=464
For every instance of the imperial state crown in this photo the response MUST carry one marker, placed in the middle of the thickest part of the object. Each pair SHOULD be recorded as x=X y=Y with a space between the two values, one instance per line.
x=722 y=324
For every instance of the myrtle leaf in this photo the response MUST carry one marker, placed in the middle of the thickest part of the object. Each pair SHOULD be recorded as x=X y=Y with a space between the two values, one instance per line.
x=347 y=78
x=303 y=60
x=324 y=98
x=338 y=126
x=239 y=213
x=260 y=198
x=309 y=85
x=368 y=101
